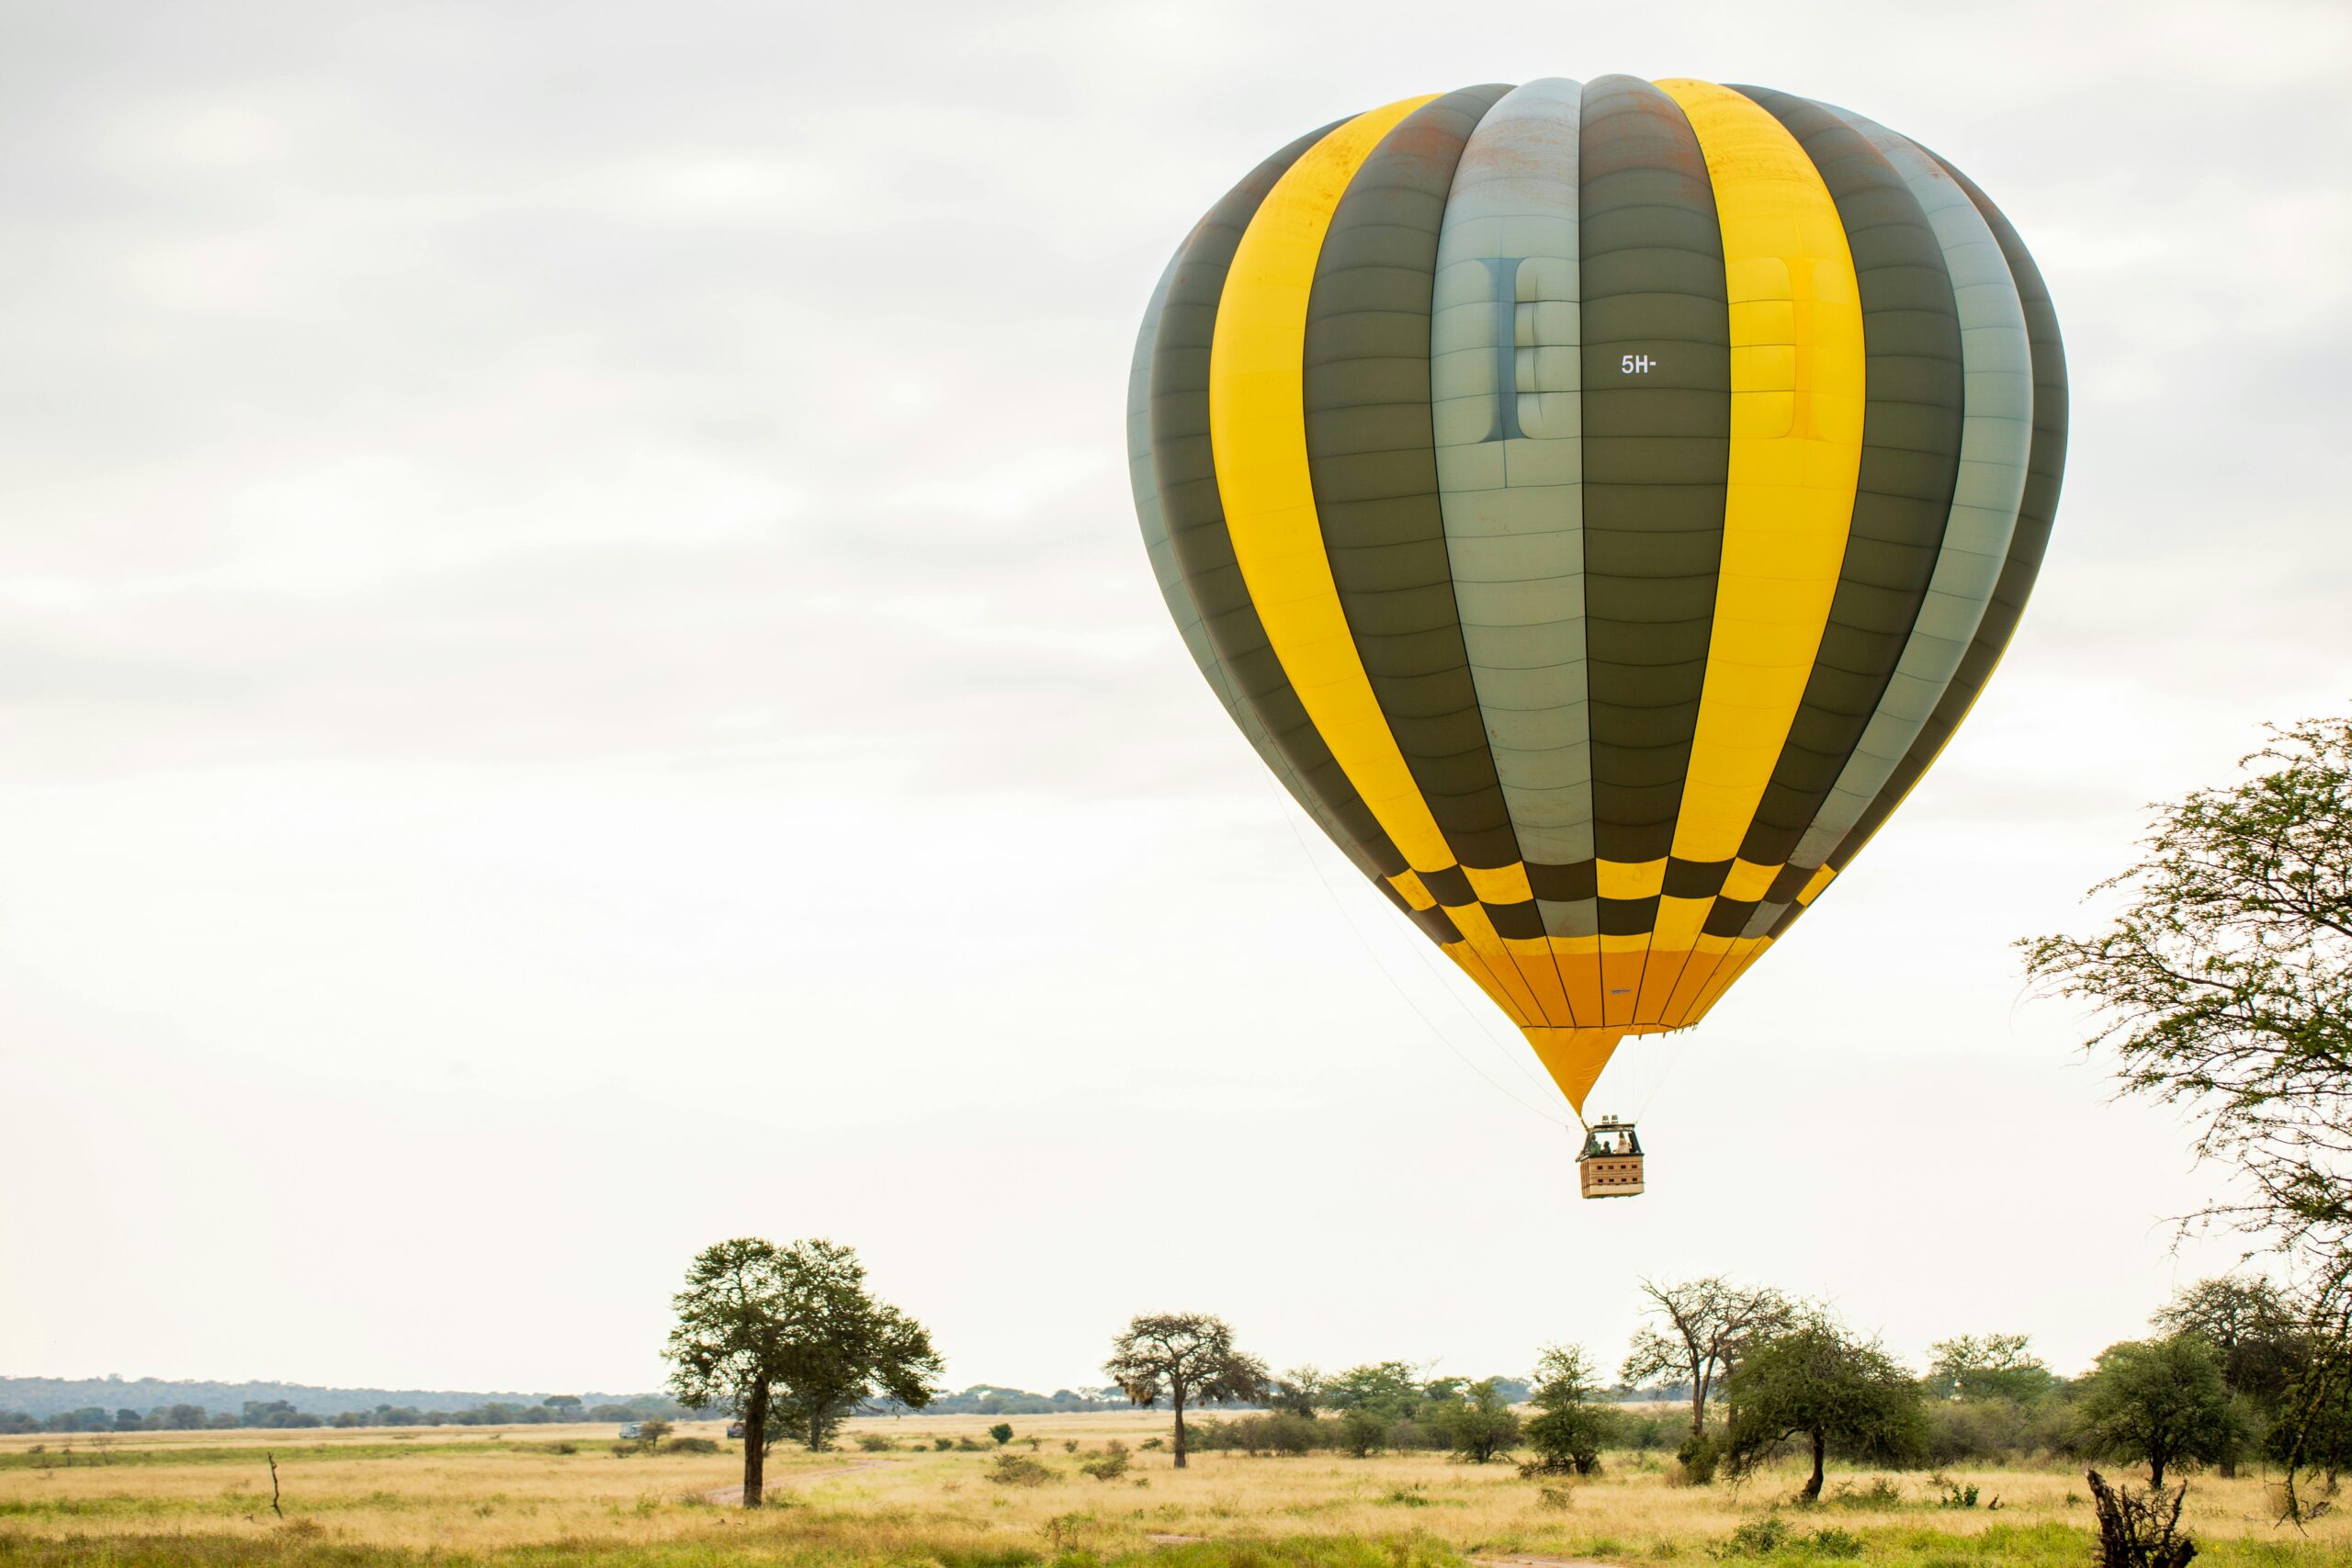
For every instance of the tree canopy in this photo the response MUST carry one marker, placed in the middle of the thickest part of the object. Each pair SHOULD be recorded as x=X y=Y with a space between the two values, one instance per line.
x=1701 y=1327
x=2223 y=986
x=2161 y=1403
x=1987 y=1366
x=1568 y=1427
x=790 y=1339
x=1817 y=1381
x=1184 y=1359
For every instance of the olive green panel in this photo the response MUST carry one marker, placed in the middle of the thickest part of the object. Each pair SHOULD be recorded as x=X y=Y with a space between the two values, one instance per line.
x=1911 y=442
x=1656 y=451
x=1193 y=512
x=1143 y=478
x=2045 y=470
x=1371 y=454
x=1995 y=444
x=1505 y=361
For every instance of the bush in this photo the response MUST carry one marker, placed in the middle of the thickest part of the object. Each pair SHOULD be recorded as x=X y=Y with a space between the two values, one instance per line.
x=970 y=1446
x=692 y=1446
x=1362 y=1432
x=1480 y=1424
x=1833 y=1543
x=943 y=1444
x=1018 y=1470
x=874 y=1443
x=1698 y=1456
x=1991 y=1430
x=1757 y=1538
x=1878 y=1497
x=1211 y=1437
x=1108 y=1466
x=1638 y=1432
x=1002 y=1432
x=1288 y=1433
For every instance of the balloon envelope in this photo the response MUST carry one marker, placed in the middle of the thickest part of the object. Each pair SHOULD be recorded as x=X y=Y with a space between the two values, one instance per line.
x=1598 y=503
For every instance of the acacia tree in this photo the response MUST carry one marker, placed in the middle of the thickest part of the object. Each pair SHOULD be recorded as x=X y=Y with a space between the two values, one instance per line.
x=2159 y=1401
x=1479 y=1421
x=1818 y=1381
x=1705 y=1324
x=789 y=1339
x=1185 y=1358
x=2223 y=986
x=1568 y=1430
x=2250 y=1322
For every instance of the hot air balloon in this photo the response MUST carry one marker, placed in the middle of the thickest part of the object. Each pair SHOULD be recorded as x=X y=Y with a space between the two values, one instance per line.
x=1598 y=503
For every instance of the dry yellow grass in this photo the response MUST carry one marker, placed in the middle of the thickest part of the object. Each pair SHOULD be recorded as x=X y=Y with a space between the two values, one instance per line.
x=488 y=1492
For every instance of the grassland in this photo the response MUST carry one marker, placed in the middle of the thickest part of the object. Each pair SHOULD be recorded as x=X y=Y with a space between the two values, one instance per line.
x=456 y=1495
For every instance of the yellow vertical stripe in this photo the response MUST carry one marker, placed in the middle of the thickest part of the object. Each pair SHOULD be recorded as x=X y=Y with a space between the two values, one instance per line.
x=1797 y=372
x=1257 y=431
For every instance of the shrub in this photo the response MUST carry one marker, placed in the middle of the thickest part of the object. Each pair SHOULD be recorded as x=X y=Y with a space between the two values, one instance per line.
x=1002 y=1432
x=970 y=1446
x=1698 y=1456
x=1480 y=1423
x=1757 y=1538
x=1567 y=1433
x=1878 y=1496
x=1404 y=1435
x=1642 y=1434
x=943 y=1444
x=1989 y=1430
x=692 y=1446
x=1556 y=1497
x=1287 y=1432
x=1362 y=1432
x=874 y=1443
x=1069 y=1446
x=1108 y=1466
x=1018 y=1470
x=1833 y=1543
x=1154 y=1444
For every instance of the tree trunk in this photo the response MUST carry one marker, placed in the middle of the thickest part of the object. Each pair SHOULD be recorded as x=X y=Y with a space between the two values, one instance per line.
x=1178 y=1401
x=1820 y=1452
x=756 y=1449
x=2155 y=1469
x=1698 y=1402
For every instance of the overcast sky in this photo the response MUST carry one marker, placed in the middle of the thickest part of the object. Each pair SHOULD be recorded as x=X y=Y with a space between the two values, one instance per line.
x=577 y=679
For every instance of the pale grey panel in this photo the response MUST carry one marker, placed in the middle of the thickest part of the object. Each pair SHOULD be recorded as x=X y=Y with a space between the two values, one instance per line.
x=1505 y=371
x=1996 y=434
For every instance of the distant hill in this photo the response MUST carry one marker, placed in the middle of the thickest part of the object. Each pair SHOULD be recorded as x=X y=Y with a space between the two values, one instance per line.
x=50 y=1400
x=53 y=1397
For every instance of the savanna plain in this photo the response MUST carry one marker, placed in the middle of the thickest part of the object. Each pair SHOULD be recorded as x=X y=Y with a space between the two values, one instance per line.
x=891 y=1494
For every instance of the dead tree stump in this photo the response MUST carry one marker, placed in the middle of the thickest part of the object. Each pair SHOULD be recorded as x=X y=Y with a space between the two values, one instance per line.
x=2139 y=1530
